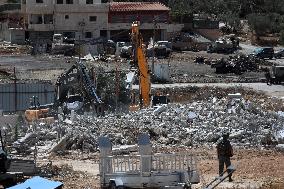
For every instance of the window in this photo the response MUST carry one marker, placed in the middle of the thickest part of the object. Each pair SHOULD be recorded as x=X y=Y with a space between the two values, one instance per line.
x=36 y=19
x=103 y=33
x=69 y=1
x=66 y=16
x=92 y=18
x=88 y=35
x=39 y=1
x=59 y=1
x=89 y=1
x=48 y=19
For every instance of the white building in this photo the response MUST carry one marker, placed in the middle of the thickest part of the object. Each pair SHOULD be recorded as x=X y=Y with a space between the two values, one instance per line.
x=79 y=19
x=38 y=20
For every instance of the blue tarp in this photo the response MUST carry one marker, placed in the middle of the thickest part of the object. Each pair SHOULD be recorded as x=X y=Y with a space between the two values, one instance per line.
x=38 y=183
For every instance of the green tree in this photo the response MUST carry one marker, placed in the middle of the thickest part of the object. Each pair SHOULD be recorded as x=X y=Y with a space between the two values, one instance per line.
x=260 y=23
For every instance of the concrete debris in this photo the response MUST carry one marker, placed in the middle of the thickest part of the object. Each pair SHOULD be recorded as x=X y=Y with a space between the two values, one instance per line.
x=280 y=136
x=61 y=145
x=280 y=147
x=160 y=109
x=8 y=48
x=238 y=64
x=193 y=124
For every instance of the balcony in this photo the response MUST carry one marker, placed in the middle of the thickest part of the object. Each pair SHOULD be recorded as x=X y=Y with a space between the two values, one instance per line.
x=145 y=26
x=10 y=7
x=81 y=8
x=40 y=27
x=40 y=8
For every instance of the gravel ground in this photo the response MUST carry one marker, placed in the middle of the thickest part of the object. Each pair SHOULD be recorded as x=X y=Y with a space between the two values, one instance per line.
x=256 y=169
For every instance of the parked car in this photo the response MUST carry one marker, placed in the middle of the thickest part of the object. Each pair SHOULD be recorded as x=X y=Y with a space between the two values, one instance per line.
x=263 y=52
x=279 y=53
x=161 y=48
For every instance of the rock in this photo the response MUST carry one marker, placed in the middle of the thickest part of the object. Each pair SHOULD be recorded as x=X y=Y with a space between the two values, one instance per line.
x=280 y=136
x=280 y=147
x=160 y=109
x=61 y=145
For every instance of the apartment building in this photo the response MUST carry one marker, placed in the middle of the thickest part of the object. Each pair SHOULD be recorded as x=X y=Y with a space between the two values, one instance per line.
x=38 y=20
x=11 y=28
x=78 y=19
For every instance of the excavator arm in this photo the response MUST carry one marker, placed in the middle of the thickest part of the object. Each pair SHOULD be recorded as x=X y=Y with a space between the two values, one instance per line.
x=77 y=80
x=140 y=60
x=144 y=78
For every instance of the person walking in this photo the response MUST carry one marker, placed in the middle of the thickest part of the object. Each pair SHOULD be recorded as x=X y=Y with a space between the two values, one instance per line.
x=268 y=77
x=225 y=152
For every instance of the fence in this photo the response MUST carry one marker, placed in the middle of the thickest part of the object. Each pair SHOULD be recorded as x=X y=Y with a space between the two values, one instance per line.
x=158 y=162
x=16 y=96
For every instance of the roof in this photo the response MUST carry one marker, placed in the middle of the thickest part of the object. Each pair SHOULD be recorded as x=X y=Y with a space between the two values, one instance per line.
x=38 y=182
x=137 y=6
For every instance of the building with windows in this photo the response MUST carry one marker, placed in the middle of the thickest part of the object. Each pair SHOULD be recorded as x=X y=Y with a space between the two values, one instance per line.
x=11 y=25
x=78 y=19
x=39 y=20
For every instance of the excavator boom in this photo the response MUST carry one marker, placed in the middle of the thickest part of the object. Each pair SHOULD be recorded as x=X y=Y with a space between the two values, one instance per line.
x=144 y=78
x=140 y=60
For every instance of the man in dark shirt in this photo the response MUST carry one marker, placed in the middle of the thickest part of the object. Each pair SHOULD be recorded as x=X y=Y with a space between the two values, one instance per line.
x=224 y=152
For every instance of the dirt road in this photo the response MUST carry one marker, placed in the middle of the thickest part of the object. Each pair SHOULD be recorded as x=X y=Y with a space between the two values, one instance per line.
x=255 y=169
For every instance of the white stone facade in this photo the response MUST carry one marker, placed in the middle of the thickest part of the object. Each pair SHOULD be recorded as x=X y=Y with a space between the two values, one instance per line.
x=82 y=18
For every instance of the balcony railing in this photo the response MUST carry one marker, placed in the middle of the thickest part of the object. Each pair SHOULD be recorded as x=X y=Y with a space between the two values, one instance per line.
x=41 y=27
x=10 y=7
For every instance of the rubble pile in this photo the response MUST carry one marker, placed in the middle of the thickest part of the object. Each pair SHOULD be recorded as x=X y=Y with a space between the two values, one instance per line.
x=12 y=49
x=185 y=71
x=239 y=64
x=193 y=124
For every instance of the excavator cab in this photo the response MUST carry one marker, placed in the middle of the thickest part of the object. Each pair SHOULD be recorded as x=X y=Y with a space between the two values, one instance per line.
x=75 y=90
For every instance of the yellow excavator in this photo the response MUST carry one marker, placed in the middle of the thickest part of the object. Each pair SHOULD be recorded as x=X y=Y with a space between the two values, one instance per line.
x=139 y=59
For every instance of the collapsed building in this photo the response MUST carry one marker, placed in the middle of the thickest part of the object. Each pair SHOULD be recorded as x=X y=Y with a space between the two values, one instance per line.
x=197 y=123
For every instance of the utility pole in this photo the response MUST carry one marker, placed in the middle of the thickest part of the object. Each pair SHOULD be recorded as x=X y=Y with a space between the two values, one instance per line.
x=117 y=86
x=153 y=52
x=15 y=90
